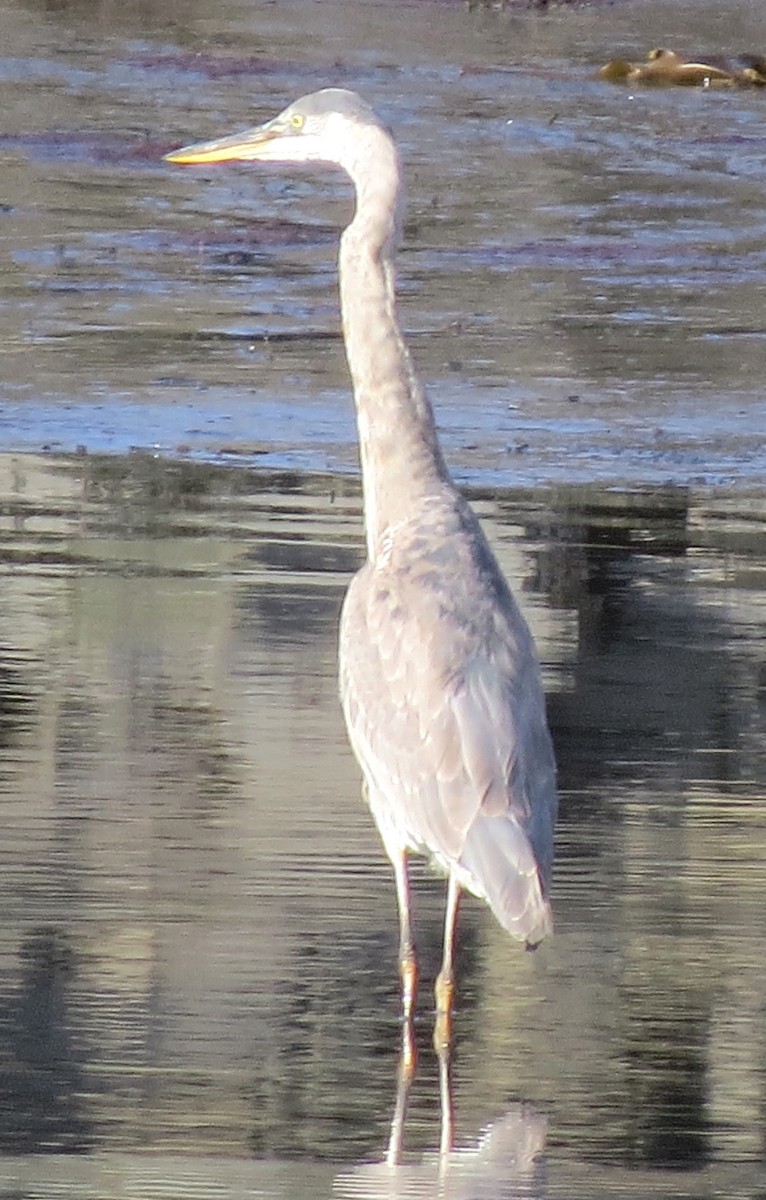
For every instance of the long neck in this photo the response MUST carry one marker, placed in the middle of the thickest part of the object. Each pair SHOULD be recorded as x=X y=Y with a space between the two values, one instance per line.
x=401 y=460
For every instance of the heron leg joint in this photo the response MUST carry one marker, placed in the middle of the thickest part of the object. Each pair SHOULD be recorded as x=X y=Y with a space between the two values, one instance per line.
x=408 y=968
x=444 y=992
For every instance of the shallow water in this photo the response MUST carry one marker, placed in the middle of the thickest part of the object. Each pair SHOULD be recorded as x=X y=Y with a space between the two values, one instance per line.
x=197 y=955
x=583 y=266
x=198 y=991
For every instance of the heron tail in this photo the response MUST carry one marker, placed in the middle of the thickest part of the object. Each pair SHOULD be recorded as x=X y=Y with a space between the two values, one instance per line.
x=501 y=867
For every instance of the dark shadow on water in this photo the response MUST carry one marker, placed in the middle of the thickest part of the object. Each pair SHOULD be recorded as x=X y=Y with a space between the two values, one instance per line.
x=41 y=1068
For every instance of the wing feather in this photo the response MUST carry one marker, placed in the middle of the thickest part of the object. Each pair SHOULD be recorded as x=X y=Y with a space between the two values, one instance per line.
x=441 y=689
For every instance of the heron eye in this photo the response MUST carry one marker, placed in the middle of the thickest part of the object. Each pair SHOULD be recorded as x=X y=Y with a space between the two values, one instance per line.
x=297 y=121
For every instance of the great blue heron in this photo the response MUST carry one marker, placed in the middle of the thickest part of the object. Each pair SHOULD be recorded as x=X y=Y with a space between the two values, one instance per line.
x=439 y=677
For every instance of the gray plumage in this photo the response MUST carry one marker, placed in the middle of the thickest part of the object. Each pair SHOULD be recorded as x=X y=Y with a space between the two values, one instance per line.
x=439 y=677
x=441 y=691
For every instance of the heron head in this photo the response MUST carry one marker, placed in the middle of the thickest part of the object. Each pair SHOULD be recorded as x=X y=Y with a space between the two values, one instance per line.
x=321 y=127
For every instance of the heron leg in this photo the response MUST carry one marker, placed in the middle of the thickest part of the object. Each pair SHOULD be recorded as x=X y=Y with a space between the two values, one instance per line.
x=408 y=966
x=404 y=1077
x=447 y=1132
x=445 y=980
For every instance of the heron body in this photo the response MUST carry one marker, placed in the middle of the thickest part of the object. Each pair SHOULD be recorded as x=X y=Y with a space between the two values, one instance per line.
x=441 y=691
x=439 y=676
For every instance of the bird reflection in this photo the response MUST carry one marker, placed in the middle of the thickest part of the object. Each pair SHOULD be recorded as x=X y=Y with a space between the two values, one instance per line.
x=407 y=1062
x=504 y=1163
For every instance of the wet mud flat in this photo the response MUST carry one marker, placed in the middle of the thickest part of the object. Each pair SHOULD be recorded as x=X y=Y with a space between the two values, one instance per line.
x=582 y=265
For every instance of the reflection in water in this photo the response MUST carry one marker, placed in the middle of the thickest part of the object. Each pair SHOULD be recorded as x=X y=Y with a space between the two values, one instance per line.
x=505 y=1163
x=42 y=1081
x=194 y=961
x=505 y=1158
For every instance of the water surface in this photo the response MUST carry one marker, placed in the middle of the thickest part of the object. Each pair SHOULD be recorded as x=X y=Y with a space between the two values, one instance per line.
x=583 y=265
x=197 y=956
x=198 y=990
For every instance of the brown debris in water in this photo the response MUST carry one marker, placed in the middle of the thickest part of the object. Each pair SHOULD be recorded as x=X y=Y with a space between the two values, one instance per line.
x=666 y=68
